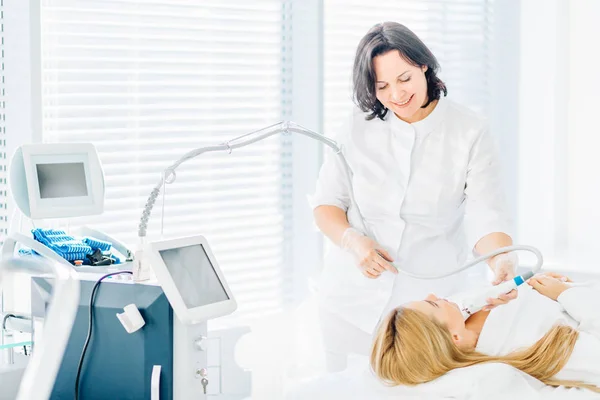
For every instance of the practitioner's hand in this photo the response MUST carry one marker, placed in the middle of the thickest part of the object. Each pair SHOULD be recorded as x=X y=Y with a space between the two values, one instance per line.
x=548 y=286
x=500 y=300
x=504 y=266
x=372 y=259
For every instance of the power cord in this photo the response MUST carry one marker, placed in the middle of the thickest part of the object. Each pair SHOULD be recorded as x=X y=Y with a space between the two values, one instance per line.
x=89 y=333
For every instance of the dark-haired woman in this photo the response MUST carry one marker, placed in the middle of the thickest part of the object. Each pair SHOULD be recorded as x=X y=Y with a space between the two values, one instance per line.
x=426 y=179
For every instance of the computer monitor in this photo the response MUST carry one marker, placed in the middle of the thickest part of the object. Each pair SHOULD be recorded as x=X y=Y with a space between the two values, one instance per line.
x=190 y=276
x=57 y=180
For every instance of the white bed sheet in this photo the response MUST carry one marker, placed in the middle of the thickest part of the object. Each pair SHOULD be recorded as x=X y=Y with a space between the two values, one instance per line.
x=487 y=381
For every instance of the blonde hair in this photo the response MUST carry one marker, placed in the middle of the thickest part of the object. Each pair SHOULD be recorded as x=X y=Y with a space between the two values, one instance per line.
x=411 y=348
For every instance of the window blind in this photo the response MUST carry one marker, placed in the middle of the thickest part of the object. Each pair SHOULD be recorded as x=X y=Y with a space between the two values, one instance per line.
x=457 y=32
x=148 y=80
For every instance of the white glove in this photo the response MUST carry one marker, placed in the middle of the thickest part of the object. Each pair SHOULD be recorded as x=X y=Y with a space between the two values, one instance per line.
x=504 y=266
x=372 y=259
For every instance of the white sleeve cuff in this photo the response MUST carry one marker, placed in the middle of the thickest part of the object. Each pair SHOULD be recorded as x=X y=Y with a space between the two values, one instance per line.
x=580 y=302
x=315 y=201
x=475 y=234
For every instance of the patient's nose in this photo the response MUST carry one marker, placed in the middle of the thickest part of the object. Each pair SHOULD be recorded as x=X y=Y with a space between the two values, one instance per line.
x=431 y=297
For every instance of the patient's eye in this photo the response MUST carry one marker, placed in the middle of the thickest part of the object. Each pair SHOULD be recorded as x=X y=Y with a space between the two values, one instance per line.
x=432 y=303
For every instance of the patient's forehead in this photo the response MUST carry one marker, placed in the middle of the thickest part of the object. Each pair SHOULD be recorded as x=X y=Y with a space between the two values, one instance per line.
x=422 y=306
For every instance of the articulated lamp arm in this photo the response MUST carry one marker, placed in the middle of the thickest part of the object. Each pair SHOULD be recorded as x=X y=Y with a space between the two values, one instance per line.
x=284 y=127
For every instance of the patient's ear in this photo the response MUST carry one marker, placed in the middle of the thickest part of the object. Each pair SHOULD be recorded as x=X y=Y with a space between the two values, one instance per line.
x=456 y=339
x=463 y=340
x=459 y=340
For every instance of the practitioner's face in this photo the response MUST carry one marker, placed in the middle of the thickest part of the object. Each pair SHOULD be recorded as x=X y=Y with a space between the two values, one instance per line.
x=401 y=87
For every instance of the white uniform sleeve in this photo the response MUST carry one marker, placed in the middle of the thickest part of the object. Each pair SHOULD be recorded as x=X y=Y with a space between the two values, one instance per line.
x=582 y=303
x=332 y=187
x=486 y=210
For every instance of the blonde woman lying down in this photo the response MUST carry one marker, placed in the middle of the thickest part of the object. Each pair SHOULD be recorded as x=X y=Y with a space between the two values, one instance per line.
x=551 y=332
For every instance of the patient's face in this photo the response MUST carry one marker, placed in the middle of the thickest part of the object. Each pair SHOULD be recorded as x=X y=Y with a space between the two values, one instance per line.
x=441 y=310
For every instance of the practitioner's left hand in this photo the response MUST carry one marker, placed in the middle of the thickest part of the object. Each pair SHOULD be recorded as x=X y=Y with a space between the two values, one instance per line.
x=504 y=266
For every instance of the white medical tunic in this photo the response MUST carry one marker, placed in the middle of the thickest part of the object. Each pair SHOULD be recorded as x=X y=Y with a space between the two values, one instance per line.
x=428 y=191
x=522 y=322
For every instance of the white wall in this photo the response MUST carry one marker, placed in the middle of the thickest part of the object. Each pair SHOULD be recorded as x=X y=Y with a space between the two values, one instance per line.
x=583 y=138
x=307 y=110
x=504 y=112
x=541 y=123
x=557 y=185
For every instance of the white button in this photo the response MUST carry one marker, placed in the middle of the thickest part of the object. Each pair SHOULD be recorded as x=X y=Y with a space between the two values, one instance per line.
x=200 y=344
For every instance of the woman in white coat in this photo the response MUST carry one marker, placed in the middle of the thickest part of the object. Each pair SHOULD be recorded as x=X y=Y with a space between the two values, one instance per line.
x=426 y=180
x=551 y=333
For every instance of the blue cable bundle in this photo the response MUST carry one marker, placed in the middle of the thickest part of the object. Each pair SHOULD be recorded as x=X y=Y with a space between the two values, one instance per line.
x=72 y=249
x=97 y=244
x=62 y=244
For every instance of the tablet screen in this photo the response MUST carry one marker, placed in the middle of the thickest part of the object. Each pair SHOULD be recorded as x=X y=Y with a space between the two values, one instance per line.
x=194 y=275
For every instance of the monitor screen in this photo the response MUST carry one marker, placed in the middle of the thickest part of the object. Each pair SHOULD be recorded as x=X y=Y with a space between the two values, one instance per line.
x=194 y=275
x=58 y=180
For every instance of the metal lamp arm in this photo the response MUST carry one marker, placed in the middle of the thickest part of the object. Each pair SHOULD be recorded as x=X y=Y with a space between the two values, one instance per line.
x=285 y=127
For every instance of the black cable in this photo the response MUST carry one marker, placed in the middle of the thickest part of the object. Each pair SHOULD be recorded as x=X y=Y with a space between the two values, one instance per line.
x=6 y=317
x=89 y=333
